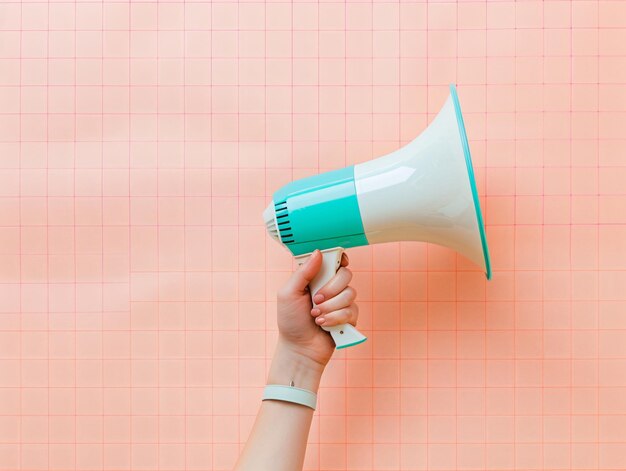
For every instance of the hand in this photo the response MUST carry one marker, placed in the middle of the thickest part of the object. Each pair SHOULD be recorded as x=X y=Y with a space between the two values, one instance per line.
x=299 y=324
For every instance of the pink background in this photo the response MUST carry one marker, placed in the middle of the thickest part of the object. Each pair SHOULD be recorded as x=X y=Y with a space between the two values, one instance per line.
x=139 y=144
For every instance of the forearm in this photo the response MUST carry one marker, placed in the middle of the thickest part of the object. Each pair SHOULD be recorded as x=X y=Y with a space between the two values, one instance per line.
x=279 y=436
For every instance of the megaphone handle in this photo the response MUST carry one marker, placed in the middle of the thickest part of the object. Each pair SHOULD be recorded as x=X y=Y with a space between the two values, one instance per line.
x=345 y=335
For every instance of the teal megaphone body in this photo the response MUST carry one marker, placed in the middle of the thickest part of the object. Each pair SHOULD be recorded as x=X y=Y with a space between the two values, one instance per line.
x=424 y=191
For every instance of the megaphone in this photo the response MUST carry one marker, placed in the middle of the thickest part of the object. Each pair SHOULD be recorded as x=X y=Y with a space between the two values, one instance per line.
x=424 y=191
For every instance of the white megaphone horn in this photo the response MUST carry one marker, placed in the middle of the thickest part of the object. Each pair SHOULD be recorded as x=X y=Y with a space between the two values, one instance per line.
x=424 y=191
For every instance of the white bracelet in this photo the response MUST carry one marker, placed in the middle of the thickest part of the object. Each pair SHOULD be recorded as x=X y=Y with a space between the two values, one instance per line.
x=281 y=392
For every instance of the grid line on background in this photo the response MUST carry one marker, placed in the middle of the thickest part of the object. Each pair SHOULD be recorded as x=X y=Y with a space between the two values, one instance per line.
x=139 y=144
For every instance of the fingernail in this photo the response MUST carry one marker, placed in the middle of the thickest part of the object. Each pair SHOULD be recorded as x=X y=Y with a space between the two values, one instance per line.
x=315 y=312
x=313 y=254
x=318 y=298
x=320 y=320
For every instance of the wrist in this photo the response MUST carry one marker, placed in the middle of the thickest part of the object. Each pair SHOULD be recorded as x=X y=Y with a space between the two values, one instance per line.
x=289 y=365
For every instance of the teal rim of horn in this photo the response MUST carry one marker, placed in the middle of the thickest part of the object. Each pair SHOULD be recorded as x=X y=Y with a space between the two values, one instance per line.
x=472 y=179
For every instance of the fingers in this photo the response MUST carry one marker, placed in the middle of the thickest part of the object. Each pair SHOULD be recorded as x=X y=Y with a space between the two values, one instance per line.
x=301 y=278
x=344 y=260
x=346 y=315
x=343 y=299
x=335 y=285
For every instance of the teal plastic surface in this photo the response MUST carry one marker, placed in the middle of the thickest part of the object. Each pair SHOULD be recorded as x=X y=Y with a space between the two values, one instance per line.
x=320 y=212
x=352 y=344
x=472 y=179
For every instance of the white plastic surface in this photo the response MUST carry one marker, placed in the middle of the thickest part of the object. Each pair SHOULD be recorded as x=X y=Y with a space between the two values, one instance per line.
x=422 y=191
x=344 y=335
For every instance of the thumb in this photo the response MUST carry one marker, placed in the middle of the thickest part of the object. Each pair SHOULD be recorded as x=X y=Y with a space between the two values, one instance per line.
x=305 y=273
